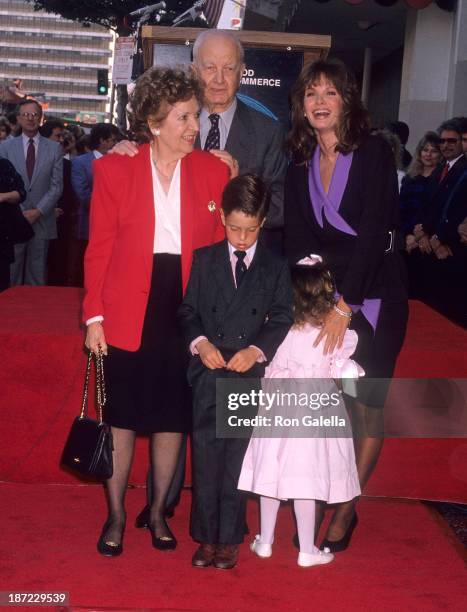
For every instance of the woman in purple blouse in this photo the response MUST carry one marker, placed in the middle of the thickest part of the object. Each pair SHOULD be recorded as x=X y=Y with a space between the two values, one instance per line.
x=341 y=202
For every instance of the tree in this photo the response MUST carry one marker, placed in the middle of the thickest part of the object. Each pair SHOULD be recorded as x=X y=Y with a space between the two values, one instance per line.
x=107 y=13
x=111 y=14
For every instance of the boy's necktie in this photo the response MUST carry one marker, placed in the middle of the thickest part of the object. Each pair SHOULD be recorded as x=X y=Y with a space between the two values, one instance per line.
x=30 y=158
x=240 y=267
x=213 y=140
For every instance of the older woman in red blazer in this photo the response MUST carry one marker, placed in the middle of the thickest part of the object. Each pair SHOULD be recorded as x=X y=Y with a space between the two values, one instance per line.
x=148 y=214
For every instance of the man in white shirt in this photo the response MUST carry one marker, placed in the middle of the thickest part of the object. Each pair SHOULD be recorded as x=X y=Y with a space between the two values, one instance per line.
x=40 y=164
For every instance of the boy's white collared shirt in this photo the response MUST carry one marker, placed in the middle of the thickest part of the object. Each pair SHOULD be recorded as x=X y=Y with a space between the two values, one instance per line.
x=250 y=253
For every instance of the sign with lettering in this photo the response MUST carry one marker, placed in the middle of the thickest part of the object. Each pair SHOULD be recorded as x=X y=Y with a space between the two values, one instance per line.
x=267 y=80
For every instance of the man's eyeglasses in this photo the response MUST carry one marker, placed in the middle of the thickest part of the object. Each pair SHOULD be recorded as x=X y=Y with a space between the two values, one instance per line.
x=448 y=140
x=29 y=115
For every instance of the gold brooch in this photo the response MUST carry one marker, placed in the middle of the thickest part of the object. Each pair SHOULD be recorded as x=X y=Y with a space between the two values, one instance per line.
x=212 y=206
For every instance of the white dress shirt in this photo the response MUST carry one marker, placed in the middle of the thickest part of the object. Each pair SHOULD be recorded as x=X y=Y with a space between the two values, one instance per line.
x=167 y=237
x=453 y=161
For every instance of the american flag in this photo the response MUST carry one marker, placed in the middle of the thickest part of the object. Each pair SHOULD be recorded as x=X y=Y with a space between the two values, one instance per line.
x=212 y=11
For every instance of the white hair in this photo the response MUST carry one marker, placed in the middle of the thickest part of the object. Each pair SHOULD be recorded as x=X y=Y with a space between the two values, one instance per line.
x=212 y=33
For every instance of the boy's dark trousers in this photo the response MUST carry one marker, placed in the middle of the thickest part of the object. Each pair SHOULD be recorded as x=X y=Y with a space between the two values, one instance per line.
x=218 y=508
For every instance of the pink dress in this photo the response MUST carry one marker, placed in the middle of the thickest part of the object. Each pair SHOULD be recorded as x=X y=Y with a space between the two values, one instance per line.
x=313 y=467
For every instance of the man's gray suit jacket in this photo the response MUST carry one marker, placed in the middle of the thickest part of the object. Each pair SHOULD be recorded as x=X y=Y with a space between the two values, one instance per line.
x=257 y=143
x=46 y=184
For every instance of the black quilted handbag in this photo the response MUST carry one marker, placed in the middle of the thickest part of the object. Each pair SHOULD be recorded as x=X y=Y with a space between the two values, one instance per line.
x=88 y=449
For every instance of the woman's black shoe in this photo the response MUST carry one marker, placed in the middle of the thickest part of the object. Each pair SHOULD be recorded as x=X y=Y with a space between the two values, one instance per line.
x=142 y=520
x=343 y=543
x=105 y=546
x=167 y=542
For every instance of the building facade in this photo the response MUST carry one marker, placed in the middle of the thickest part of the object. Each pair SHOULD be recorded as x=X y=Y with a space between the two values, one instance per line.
x=57 y=60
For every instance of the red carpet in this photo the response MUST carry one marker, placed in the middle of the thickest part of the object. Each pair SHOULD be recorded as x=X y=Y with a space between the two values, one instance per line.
x=42 y=374
x=401 y=559
x=402 y=556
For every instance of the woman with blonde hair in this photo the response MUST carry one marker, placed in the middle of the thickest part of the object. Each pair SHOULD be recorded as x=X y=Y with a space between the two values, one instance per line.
x=414 y=185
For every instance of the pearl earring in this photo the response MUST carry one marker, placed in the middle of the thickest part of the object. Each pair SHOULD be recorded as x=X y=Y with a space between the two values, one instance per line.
x=156 y=132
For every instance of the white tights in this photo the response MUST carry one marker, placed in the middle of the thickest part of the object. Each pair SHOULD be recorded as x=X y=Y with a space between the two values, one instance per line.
x=305 y=514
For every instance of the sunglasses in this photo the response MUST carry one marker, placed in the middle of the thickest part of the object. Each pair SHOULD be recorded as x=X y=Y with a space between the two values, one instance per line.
x=448 y=140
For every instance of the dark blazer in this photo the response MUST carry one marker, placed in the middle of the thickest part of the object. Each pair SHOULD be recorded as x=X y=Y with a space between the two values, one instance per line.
x=259 y=312
x=256 y=142
x=438 y=194
x=370 y=205
x=10 y=180
x=453 y=214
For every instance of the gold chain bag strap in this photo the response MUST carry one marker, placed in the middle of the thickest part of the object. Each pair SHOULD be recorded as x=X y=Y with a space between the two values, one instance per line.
x=88 y=449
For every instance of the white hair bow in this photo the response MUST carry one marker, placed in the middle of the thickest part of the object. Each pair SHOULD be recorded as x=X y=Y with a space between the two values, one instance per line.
x=311 y=260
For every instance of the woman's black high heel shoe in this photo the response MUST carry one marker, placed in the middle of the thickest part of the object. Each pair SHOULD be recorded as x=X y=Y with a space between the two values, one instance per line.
x=167 y=542
x=105 y=546
x=343 y=543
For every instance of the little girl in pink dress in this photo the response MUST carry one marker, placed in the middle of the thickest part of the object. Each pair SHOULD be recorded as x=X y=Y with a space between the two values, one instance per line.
x=306 y=468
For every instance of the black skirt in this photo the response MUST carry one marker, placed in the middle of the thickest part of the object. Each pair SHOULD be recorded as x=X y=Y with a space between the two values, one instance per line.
x=377 y=350
x=147 y=390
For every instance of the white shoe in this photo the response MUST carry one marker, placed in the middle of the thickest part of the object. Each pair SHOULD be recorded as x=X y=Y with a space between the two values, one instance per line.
x=320 y=557
x=262 y=550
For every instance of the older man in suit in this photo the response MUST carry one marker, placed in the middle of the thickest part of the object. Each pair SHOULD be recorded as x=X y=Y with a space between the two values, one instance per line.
x=39 y=161
x=443 y=183
x=244 y=138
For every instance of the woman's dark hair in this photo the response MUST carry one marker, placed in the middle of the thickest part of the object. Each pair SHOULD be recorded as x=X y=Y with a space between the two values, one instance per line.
x=416 y=166
x=248 y=194
x=355 y=123
x=83 y=144
x=49 y=126
x=102 y=131
x=155 y=92
x=394 y=142
x=313 y=294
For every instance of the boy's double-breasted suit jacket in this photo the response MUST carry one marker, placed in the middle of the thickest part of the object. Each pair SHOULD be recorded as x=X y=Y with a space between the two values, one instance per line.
x=259 y=312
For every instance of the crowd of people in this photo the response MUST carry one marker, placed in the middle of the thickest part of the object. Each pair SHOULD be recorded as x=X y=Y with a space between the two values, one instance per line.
x=185 y=271
x=433 y=213
x=49 y=159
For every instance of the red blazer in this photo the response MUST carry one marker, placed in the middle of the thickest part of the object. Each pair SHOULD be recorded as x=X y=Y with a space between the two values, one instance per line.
x=118 y=260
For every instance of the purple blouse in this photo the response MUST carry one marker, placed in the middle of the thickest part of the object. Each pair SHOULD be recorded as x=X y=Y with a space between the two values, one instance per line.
x=328 y=204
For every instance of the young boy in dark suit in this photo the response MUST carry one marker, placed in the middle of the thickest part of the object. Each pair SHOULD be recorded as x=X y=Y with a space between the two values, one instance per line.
x=235 y=314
